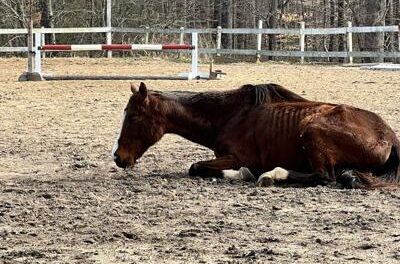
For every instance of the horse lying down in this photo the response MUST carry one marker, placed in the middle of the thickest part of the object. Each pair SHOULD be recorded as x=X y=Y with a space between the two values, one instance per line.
x=267 y=131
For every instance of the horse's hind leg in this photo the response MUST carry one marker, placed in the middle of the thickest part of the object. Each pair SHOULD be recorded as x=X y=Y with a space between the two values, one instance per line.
x=320 y=161
x=280 y=175
x=221 y=167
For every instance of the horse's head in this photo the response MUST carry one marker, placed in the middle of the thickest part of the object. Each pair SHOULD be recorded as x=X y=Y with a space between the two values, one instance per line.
x=141 y=128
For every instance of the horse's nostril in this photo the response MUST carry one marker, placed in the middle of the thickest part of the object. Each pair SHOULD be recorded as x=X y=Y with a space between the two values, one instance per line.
x=116 y=158
x=119 y=162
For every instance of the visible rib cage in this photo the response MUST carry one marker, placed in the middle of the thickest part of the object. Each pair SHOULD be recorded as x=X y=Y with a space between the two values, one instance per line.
x=285 y=118
x=280 y=140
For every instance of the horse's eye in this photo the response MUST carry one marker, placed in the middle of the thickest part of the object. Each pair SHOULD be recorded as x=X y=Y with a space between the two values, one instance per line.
x=135 y=118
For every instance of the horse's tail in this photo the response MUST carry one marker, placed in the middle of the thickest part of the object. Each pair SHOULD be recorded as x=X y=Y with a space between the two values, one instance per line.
x=392 y=166
x=389 y=176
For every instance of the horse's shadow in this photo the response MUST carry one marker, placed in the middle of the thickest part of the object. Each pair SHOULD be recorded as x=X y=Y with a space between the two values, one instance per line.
x=143 y=174
x=183 y=175
x=178 y=176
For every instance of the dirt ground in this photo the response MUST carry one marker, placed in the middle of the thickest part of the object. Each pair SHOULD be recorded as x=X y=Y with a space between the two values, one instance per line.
x=62 y=199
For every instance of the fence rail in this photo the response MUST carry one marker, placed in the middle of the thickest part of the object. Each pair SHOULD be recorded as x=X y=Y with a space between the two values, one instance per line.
x=308 y=54
x=21 y=31
x=302 y=32
x=13 y=49
x=267 y=31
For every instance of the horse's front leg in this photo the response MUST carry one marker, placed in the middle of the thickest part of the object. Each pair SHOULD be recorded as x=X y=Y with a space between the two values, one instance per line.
x=225 y=167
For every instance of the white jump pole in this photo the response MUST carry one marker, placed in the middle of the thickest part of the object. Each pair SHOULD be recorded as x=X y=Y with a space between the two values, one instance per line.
x=38 y=57
x=195 y=56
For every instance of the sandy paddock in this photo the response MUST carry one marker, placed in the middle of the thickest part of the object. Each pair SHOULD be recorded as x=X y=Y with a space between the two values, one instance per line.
x=62 y=200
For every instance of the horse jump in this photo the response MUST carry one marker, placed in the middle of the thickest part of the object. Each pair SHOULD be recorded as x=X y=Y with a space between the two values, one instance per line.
x=194 y=74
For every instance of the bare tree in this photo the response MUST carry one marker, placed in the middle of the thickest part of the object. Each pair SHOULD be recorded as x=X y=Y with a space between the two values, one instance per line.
x=273 y=23
x=375 y=16
x=209 y=13
x=47 y=18
x=226 y=16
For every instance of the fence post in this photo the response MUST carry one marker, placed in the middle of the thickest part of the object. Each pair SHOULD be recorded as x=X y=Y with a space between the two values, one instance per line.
x=30 y=46
x=259 y=40
x=349 y=42
x=146 y=36
x=43 y=43
x=182 y=35
x=194 y=73
x=302 y=39
x=109 y=28
x=219 y=37
x=181 y=38
x=38 y=57
x=398 y=36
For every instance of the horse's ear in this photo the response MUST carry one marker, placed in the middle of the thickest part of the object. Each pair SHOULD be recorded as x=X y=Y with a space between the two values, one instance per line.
x=134 y=88
x=143 y=90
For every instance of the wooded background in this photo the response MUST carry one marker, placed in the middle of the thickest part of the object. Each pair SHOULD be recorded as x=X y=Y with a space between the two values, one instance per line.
x=210 y=14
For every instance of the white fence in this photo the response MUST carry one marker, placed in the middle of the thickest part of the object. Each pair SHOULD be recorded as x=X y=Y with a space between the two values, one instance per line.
x=302 y=32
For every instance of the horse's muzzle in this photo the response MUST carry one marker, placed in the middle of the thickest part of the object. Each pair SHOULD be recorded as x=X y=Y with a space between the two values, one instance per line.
x=119 y=162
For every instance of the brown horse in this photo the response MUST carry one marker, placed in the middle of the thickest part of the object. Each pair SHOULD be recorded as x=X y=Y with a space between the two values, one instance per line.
x=261 y=129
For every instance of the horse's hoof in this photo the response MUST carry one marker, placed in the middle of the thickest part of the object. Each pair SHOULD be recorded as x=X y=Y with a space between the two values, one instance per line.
x=350 y=180
x=265 y=181
x=246 y=174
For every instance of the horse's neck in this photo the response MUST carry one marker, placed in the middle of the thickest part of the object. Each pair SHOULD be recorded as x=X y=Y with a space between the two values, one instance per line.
x=200 y=119
x=186 y=122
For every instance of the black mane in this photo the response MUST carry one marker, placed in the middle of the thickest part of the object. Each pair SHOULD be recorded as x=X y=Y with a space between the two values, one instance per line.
x=267 y=93
x=246 y=95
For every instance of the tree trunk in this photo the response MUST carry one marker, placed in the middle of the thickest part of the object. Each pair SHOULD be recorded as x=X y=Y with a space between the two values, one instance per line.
x=325 y=24
x=273 y=19
x=22 y=21
x=390 y=19
x=51 y=20
x=226 y=22
x=47 y=18
x=341 y=23
x=254 y=23
x=217 y=13
x=332 y=24
x=374 y=16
